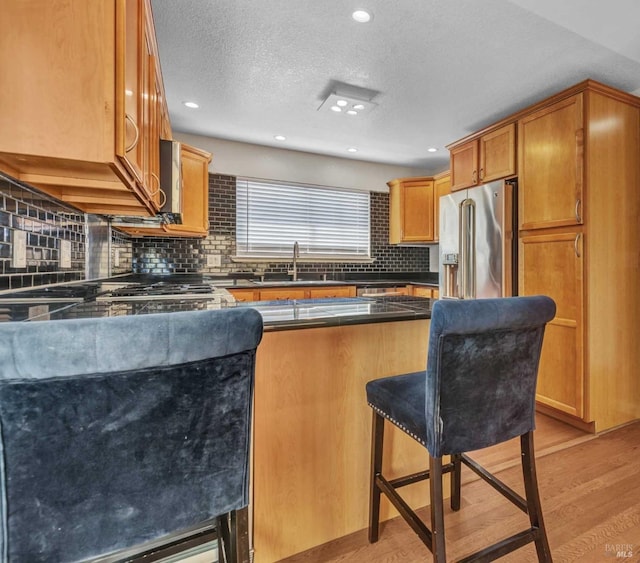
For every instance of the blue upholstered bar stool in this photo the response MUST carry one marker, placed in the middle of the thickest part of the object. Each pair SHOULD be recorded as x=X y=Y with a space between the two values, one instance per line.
x=478 y=390
x=119 y=433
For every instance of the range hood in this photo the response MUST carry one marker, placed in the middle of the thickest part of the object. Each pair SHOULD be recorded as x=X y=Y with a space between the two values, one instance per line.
x=171 y=192
x=171 y=181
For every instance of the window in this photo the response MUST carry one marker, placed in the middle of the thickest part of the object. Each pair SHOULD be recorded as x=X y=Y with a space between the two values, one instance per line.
x=327 y=223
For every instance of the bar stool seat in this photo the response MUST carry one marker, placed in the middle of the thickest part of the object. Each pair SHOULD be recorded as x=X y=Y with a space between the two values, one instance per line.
x=478 y=390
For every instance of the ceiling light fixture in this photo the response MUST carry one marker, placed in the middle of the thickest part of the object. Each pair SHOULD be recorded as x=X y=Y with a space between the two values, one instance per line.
x=432 y=149
x=362 y=16
x=191 y=105
x=352 y=149
x=339 y=103
x=280 y=138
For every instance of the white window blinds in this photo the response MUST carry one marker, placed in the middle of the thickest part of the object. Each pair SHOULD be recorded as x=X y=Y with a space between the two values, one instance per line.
x=326 y=222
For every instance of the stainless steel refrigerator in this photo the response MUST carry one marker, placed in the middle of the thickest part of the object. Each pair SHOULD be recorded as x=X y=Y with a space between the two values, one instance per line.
x=477 y=242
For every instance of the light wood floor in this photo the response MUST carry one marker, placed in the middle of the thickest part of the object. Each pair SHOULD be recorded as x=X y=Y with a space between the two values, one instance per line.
x=590 y=492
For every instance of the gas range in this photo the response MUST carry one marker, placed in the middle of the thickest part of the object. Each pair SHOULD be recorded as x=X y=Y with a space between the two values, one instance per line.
x=163 y=290
x=115 y=291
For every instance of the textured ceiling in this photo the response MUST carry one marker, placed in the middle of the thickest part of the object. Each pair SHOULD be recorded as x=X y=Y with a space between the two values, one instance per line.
x=439 y=69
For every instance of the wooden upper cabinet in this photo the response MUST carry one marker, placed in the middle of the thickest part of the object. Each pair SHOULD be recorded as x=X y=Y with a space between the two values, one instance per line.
x=441 y=187
x=79 y=100
x=195 y=196
x=411 y=210
x=195 y=200
x=464 y=165
x=489 y=157
x=551 y=165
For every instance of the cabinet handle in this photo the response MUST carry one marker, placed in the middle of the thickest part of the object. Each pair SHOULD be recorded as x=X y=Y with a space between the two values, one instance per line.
x=575 y=245
x=137 y=131
x=474 y=177
x=155 y=177
x=578 y=216
x=481 y=173
x=163 y=198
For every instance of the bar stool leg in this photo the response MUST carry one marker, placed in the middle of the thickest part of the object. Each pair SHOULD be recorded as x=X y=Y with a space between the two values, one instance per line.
x=377 y=436
x=437 y=510
x=533 y=497
x=455 y=482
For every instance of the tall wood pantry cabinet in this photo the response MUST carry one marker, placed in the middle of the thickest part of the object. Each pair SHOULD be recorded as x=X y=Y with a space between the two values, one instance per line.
x=579 y=243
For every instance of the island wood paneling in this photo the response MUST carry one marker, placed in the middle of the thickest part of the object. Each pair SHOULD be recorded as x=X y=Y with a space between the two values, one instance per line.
x=312 y=431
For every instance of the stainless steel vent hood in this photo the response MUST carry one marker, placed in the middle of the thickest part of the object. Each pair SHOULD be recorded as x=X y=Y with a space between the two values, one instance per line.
x=171 y=181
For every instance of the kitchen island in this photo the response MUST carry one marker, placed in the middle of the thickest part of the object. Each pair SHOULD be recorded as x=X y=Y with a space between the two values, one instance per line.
x=311 y=421
x=312 y=431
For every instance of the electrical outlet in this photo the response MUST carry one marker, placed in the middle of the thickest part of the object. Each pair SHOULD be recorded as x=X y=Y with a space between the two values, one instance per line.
x=19 y=250
x=214 y=260
x=65 y=254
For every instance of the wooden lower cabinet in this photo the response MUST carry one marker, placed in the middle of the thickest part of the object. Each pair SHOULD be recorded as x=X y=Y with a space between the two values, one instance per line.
x=312 y=432
x=553 y=264
x=245 y=295
x=328 y=292
x=283 y=293
x=423 y=291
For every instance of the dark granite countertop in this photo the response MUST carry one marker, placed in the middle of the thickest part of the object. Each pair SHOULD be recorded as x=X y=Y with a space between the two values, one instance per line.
x=308 y=313
x=277 y=315
x=248 y=280
x=98 y=298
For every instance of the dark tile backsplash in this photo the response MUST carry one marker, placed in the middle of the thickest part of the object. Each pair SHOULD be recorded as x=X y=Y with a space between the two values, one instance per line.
x=167 y=255
x=46 y=223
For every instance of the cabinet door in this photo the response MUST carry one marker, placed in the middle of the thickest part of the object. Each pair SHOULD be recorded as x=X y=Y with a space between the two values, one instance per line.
x=421 y=291
x=498 y=154
x=417 y=210
x=441 y=187
x=464 y=166
x=282 y=293
x=244 y=294
x=551 y=166
x=337 y=291
x=552 y=265
x=411 y=203
x=131 y=65
x=195 y=193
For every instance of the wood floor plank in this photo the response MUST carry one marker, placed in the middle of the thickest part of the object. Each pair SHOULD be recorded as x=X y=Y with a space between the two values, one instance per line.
x=590 y=494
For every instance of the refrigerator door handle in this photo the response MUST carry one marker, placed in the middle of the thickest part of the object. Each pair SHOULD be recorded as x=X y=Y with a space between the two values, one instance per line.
x=468 y=248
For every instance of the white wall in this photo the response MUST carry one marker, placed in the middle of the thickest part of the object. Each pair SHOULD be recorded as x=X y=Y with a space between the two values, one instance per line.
x=255 y=161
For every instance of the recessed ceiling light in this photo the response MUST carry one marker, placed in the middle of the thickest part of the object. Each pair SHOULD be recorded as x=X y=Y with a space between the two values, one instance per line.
x=358 y=107
x=362 y=16
x=191 y=105
x=352 y=112
x=352 y=149
x=280 y=138
x=336 y=108
x=342 y=103
x=432 y=149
